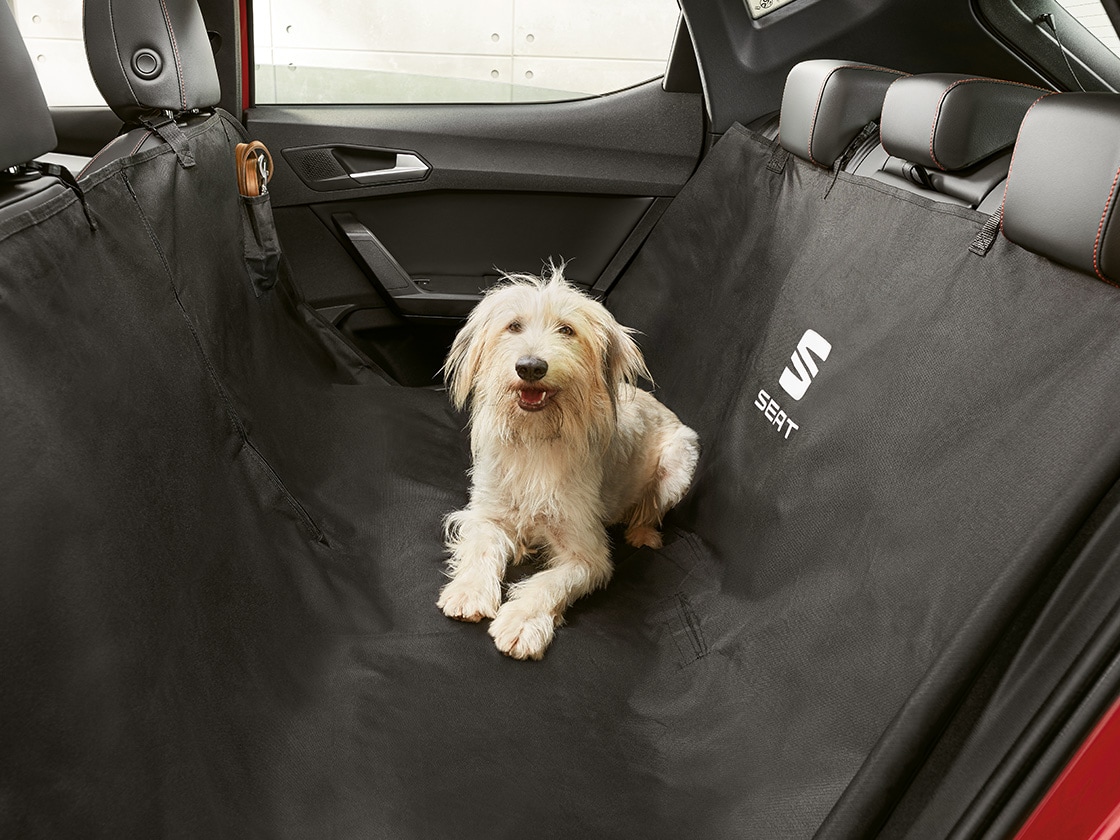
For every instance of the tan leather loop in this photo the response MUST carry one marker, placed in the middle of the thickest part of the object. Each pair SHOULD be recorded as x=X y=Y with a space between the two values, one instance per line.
x=248 y=171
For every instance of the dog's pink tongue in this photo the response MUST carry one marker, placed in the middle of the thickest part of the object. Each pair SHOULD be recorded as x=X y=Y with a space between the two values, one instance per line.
x=532 y=396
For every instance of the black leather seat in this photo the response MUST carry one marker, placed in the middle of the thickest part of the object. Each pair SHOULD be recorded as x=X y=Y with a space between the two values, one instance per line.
x=150 y=61
x=1061 y=193
x=827 y=104
x=948 y=137
x=26 y=130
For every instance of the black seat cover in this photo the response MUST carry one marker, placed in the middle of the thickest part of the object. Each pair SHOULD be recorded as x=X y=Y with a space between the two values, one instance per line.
x=223 y=544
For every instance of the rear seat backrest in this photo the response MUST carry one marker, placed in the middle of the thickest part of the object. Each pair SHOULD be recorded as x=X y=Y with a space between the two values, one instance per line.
x=948 y=136
x=827 y=102
x=1061 y=194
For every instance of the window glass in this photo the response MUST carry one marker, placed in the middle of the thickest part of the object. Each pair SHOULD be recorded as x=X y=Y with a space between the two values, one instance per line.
x=1091 y=15
x=52 y=30
x=365 y=51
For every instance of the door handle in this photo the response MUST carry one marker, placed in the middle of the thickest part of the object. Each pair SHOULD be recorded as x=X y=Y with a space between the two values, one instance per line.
x=325 y=168
x=406 y=167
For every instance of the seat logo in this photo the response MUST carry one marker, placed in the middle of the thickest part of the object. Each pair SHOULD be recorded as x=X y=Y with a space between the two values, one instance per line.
x=796 y=382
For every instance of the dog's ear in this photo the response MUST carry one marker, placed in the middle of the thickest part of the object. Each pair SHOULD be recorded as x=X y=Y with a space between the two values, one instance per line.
x=463 y=361
x=623 y=361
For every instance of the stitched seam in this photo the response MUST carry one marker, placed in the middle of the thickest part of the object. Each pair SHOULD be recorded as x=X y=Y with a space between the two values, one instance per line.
x=231 y=412
x=140 y=142
x=1011 y=166
x=941 y=102
x=175 y=50
x=117 y=50
x=93 y=159
x=1100 y=230
x=820 y=97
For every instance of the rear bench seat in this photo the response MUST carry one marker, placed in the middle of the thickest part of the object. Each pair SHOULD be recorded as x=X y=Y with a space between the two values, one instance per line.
x=950 y=136
x=223 y=615
x=928 y=474
x=942 y=135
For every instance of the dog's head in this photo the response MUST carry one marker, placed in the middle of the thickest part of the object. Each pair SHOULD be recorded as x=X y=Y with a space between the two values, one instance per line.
x=536 y=350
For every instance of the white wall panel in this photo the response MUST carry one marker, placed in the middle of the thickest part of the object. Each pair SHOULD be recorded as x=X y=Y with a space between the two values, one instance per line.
x=63 y=71
x=594 y=28
x=582 y=75
x=436 y=26
x=50 y=18
x=440 y=50
x=262 y=27
x=355 y=76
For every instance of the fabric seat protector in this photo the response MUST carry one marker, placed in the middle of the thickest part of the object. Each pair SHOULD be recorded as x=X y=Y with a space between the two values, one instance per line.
x=223 y=540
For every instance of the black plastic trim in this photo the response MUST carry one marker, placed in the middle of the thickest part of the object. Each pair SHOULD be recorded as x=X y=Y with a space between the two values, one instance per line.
x=1017 y=23
x=744 y=62
x=84 y=130
x=641 y=141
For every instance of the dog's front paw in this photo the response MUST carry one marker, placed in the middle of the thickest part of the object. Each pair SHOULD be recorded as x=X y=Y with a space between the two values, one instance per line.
x=521 y=632
x=470 y=599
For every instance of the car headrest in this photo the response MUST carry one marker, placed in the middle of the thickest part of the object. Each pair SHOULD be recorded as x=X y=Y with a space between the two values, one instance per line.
x=951 y=122
x=1061 y=194
x=827 y=102
x=150 y=56
x=26 y=130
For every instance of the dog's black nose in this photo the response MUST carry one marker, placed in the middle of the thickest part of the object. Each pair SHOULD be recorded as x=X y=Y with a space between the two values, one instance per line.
x=530 y=368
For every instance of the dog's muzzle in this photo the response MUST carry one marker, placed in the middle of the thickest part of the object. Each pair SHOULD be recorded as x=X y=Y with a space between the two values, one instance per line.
x=531 y=368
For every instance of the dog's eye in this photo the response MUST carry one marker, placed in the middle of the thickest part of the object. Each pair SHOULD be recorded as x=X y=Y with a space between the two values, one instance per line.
x=514 y=327
x=564 y=329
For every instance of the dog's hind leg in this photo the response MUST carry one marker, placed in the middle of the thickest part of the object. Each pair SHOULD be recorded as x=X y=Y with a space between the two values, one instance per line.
x=679 y=452
x=480 y=549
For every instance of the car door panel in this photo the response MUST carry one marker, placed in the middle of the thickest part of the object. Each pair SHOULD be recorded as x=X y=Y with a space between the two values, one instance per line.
x=455 y=195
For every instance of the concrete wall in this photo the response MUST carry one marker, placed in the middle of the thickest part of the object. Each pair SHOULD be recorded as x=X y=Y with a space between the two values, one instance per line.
x=428 y=50
x=447 y=50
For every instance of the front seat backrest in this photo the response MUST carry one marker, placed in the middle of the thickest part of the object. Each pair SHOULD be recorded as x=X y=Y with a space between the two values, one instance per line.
x=26 y=130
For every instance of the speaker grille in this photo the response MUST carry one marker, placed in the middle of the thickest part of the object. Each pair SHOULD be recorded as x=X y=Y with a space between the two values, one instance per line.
x=315 y=164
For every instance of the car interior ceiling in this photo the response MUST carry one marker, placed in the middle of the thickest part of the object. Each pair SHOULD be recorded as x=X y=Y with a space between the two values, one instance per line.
x=887 y=608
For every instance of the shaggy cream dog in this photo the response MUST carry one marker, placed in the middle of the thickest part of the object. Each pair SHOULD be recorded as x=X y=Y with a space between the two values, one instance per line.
x=563 y=444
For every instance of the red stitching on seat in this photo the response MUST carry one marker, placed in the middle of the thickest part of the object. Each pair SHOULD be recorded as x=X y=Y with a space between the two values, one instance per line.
x=820 y=96
x=112 y=143
x=941 y=102
x=178 y=63
x=1011 y=166
x=117 y=48
x=1100 y=230
x=140 y=142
